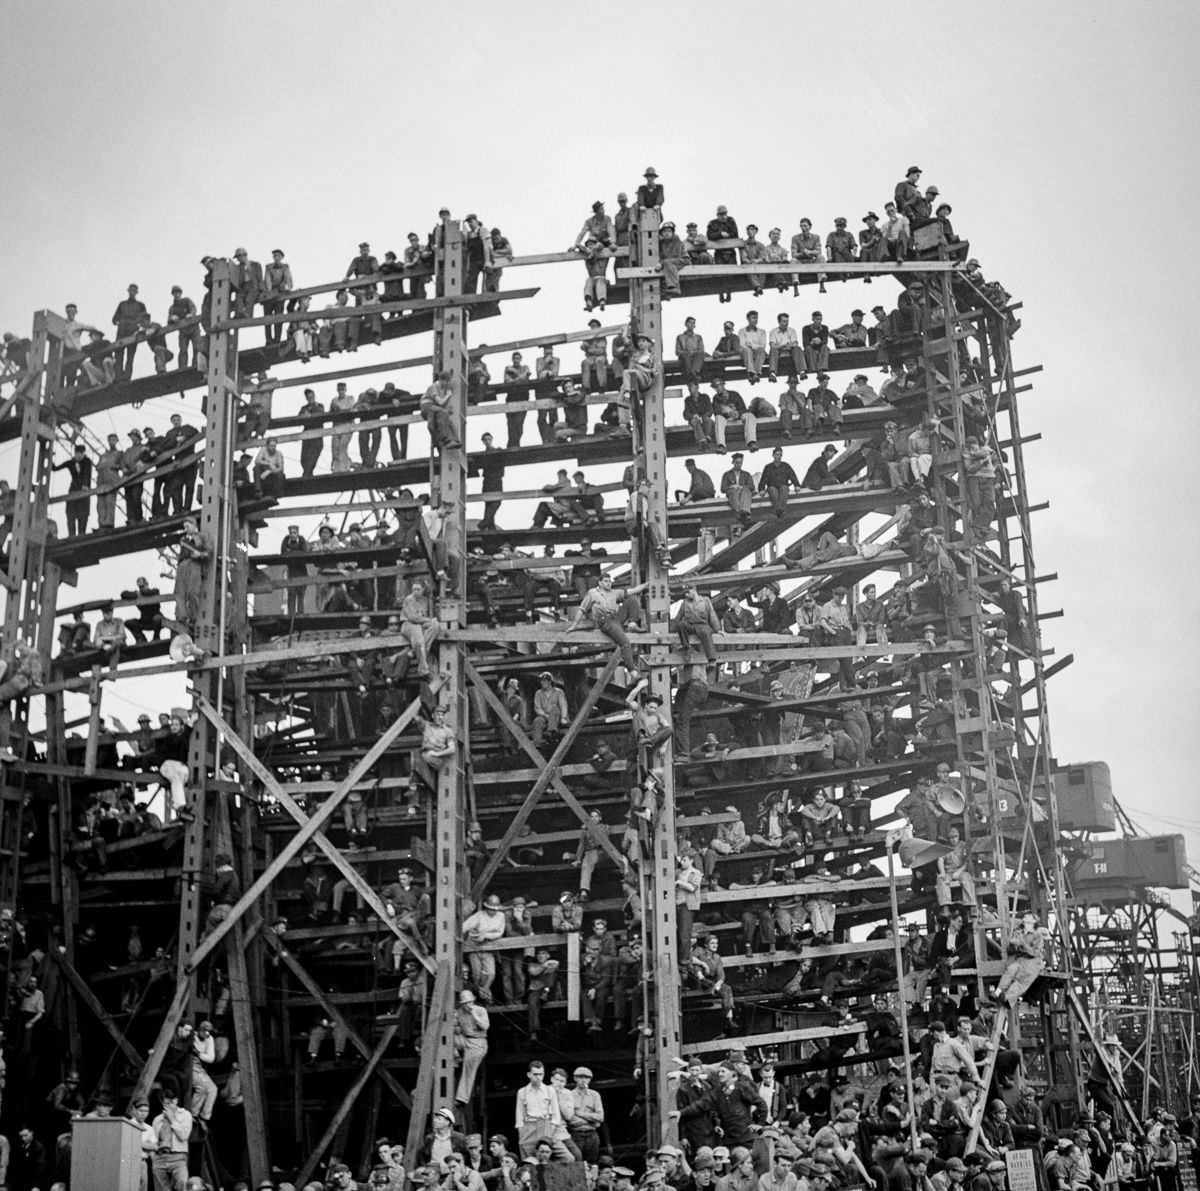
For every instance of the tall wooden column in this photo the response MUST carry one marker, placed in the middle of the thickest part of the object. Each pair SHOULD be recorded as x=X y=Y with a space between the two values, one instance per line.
x=32 y=596
x=448 y=483
x=650 y=447
x=31 y=503
x=213 y=520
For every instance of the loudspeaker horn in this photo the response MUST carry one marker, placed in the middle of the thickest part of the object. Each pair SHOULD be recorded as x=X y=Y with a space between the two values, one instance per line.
x=184 y=649
x=915 y=853
x=951 y=800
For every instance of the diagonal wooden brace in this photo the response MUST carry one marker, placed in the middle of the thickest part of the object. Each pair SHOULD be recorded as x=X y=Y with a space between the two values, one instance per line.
x=344 y=1109
x=352 y=1036
x=310 y=827
x=549 y=769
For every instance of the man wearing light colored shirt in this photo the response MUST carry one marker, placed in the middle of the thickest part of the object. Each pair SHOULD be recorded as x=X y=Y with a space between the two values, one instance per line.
x=486 y=925
x=435 y=407
x=172 y=1130
x=538 y=1115
x=784 y=341
x=72 y=340
x=418 y=628
x=204 y=1055
x=689 y=349
x=589 y=1115
x=806 y=244
x=836 y=629
x=896 y=231
x=753 y=341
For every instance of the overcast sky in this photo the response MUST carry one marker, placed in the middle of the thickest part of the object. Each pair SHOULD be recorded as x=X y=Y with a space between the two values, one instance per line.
x=143 y=135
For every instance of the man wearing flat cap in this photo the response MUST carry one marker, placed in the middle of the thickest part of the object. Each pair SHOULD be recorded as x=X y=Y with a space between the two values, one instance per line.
x=738 y=488
x=589 y=1115
x=477 y=252
x=720 y=228
x=840 y=244
x=277 y=282
x=622 y=220
x=851 y=334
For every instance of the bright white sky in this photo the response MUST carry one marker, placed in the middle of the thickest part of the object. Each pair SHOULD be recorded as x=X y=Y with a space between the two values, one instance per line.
x=1058 y=132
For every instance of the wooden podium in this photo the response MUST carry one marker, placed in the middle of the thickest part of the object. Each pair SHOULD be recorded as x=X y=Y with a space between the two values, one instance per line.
x=106 y=1155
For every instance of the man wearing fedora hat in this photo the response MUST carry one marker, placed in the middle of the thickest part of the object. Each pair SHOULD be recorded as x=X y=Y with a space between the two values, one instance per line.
x=870 y=240
x=908 y=191
x=650 y=194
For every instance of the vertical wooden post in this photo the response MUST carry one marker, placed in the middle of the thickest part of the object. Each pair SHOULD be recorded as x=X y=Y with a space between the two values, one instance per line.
x=27 y=542
x=219 y=428
x=448 y=475
x=243 y=1015
x=650 y=443
x=92 y=747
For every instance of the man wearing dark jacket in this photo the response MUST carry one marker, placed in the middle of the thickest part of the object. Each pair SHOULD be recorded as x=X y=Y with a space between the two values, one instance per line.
x=696 y=1129
x=734 y=1102
x=27 y=1166
x=777 y=477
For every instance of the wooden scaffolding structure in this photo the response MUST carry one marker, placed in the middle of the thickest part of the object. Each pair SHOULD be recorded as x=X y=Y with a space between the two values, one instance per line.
x=264 y=674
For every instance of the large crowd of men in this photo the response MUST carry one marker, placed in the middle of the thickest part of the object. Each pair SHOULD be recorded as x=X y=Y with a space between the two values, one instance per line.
x=773 y=794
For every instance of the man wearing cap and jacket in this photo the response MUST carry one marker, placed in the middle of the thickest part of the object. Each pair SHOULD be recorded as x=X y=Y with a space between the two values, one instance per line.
x=363 y=265
x=277 y=283
x=840 y=244
x=477 y=249
x=738 y=488
x=815 y=336
x=734 y=1101
x=853 y=333
x=182 y=310
x=723 y=227
x=443 y=1141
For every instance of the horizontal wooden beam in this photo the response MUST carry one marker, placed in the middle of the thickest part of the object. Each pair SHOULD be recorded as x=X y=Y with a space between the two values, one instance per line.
x=799 y=268
x=826 y=952
x=342 y=313
x=797 y=889
x=808 y=1034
